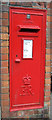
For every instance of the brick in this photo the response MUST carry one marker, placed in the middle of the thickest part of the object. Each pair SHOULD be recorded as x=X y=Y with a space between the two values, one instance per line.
x=0 y=15
x=50 y=51
x=48 y=69
x=14 y=114
x=49 y=45
x=0 y=53
x=46 y=110
x=4 y=36
x=47 y=81
x=51 y=57
x=4 y=70
x=5 y=22
x=4 y=50
x=47 y=57
x=47 y=63
x=5 y=77
x=48 y=5
x=5 y=115
x=0 y=29
x=5 y=103
x=12 y=3
x=5 y=3
x=33 y=112
x=51 y=5
x=4 y=97
x=49 y=12
x=47 y=87
x=25 y=112
x=48 y=104
x=47 y=51
x=4 y=29
x=46 y=115
x=49 y=25
x=39 y=4
x=46 y=99
x=47 y=93
x=5 y=108
x=5 y=8
x=0 y=22
x=47 y=75
x=5 y=57
x=5 y=15
x=48 y=32
x=29 y=4
x=4 y=90
x=51 y=31
x=49 y=18
x=0 y=6
x=5 y=43
x=18 y=3
x=50 y=38
x=51 y=68
x=51 y=63
x=20 y=113
x=4 y=64
x=4 y=83
x=0 y=35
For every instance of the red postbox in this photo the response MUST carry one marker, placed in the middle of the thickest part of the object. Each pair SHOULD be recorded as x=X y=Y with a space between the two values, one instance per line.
x=27 y=58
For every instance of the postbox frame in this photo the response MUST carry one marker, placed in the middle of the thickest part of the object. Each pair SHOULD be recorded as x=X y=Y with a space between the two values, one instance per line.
x=44 y=13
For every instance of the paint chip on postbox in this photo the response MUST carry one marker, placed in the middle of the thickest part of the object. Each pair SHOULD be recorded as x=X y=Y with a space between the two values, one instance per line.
x=27 y=48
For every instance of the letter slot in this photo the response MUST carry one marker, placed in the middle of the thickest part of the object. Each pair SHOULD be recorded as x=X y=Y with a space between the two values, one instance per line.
x=28 y=28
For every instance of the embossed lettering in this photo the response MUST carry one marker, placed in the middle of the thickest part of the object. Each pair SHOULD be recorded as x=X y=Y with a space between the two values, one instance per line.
x=26 y=89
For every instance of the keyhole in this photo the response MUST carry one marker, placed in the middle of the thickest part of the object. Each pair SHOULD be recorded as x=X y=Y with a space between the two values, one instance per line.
x=16 y=55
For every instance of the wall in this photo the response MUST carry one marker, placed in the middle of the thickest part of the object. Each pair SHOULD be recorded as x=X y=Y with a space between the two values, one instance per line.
x=5 y=91
x=51 y=43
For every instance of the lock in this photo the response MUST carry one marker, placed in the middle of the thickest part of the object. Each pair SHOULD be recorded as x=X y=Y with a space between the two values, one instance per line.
x=28 y=16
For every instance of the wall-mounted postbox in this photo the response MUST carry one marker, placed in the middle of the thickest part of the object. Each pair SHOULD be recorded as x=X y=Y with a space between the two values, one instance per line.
x=27 y=58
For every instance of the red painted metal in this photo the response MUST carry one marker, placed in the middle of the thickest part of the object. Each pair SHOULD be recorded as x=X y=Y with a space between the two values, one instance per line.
x=28 y=27
x=27 y=75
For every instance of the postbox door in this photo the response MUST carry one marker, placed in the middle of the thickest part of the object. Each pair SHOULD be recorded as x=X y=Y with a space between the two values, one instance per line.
x=27 y=61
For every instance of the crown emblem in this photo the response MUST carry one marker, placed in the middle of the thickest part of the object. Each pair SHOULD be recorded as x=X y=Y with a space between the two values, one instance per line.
x=26 y=80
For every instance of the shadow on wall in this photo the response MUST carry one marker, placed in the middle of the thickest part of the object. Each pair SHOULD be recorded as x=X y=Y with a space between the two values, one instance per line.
x=51 y=84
